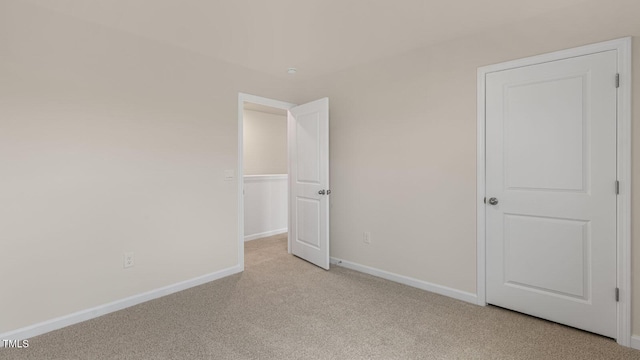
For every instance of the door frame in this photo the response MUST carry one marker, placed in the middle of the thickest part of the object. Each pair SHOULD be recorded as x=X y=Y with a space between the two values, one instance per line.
x=623 y=226
x=242 y=98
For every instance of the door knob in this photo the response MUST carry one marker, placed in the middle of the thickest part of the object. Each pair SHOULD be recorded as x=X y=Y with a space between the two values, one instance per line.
x=321 y=192
x=493 y=201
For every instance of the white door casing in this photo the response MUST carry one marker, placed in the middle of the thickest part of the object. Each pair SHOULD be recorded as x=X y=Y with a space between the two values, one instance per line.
x=309 y=181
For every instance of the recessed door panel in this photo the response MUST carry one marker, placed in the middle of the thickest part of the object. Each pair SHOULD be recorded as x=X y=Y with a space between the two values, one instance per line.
x=545 y=136
x=308 y=143
x=308 y=228
x=547 y=255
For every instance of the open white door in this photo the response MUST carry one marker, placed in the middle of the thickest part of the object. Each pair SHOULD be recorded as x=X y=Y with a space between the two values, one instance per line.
x=309 y=182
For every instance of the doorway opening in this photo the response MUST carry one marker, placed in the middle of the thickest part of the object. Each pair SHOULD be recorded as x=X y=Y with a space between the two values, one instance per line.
x=265 y=171
x=263 y=208
x=307 y=183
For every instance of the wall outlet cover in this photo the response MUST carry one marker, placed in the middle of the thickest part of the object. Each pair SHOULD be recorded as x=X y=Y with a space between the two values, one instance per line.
x=366 y=237
x=128 y=260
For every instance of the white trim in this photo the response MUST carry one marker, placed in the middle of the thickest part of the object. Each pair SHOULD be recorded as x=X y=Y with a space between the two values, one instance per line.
x=87 y=314
x=480 y=192
x=624 y=199
x=635 y=342
x=623 y=47
x=265 y=234
x=409 y=281
x=265 y=177
x=242 y=98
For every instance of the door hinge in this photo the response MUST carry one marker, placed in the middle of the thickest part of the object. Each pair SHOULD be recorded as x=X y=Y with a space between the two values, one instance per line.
x=617 y=294
x=617 y=80
x=617 y=187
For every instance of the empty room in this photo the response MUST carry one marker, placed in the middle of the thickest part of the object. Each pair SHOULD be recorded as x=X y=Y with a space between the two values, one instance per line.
x=319 y=179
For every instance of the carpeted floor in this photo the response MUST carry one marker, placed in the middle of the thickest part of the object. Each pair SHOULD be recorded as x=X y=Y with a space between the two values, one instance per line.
x=282 y=307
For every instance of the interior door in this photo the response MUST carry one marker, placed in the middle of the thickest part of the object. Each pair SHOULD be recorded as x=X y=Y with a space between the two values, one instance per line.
x=309 y=181
x=551 y=190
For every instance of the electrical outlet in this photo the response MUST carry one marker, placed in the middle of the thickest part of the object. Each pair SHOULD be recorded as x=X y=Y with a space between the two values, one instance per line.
x=366 y=237
x=128 y=259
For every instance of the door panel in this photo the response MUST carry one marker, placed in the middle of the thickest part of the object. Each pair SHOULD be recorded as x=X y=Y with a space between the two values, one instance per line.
x=563 y=271
x=558 y=135
x=551 y=163
x=308 y=146
x=308 y=227
x=309 y=168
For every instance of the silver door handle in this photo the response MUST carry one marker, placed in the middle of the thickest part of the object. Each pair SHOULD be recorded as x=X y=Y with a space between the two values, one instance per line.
x=321 y=192
x=493 y=201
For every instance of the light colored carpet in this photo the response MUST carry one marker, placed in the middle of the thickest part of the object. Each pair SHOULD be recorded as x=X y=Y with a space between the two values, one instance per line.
x=282 y=307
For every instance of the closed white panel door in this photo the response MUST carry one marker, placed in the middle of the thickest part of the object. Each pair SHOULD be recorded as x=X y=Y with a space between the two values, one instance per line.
x=551 y=191
x=309 y=176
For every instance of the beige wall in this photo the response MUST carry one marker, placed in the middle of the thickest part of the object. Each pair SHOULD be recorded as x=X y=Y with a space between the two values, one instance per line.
x=265 y=143
x=403 y=144
x=110 y=143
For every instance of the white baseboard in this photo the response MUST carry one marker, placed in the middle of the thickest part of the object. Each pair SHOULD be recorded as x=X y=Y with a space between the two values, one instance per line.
x=424 y=285
x=83 y=315
x=635 y=342
x=265 y=234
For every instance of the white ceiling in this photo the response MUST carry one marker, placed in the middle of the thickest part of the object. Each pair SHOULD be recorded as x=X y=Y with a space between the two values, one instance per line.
x=316 y=36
